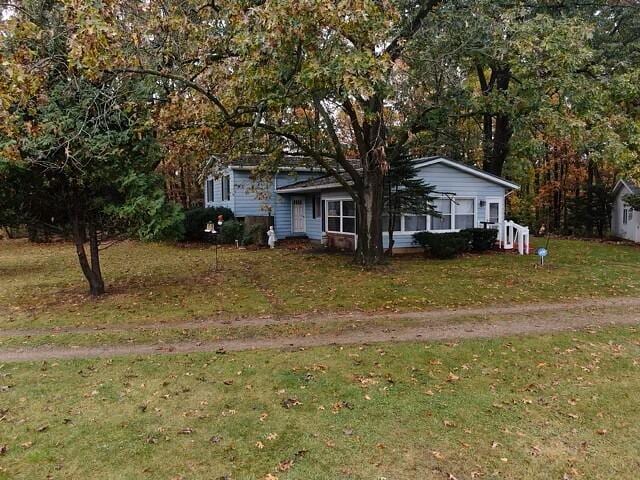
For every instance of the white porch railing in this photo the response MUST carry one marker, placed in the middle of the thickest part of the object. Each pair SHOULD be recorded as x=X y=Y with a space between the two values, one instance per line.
x=511 y=235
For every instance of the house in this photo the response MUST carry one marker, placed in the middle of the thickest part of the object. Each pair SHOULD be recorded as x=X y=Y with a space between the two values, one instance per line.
x=307 y=203
x=625 y=223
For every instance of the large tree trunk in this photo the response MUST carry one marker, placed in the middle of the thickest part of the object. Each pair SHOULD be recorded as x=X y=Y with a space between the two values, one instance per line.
x=92 y=271
x=97 y=287
x=369 y=205
x=496 y=126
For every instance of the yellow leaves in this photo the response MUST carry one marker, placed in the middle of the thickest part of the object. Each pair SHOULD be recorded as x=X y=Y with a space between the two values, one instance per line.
x=259 y=445
x=437 y=454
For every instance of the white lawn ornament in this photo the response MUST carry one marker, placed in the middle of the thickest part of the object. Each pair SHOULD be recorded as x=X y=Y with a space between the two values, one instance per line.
x=271 y=240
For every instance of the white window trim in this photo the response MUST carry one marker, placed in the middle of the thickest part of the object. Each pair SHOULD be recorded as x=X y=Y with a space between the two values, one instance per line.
x=500 y=202
x=429 y=217
x=341 y=217
x=222 y=192
x=627 y=216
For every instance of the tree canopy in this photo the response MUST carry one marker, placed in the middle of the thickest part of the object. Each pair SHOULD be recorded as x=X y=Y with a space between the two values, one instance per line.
x=79 y=152
x=545 y=93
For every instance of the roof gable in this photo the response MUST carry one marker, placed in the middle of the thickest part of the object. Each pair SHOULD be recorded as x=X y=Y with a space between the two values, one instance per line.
x=428 y=161
x=627 y=184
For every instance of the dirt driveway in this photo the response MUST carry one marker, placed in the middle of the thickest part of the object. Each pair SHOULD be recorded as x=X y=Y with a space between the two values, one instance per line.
x=435 y=325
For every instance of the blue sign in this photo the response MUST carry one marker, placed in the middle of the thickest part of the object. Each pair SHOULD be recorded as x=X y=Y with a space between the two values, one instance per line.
x=542 y=252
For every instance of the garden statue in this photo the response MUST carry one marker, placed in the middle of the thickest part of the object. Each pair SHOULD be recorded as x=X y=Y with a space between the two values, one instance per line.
x=271 y=234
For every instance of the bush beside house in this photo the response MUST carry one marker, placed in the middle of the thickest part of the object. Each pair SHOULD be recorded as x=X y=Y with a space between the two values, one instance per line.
x=451 y=244
x=196 y=219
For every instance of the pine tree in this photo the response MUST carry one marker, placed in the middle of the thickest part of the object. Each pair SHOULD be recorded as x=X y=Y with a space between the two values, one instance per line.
x=405 y=193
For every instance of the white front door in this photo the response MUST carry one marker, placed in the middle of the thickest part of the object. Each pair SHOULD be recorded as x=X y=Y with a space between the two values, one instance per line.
x=297 y=214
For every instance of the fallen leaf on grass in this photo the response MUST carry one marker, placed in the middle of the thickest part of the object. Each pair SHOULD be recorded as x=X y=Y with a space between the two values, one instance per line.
x=437 y=455
x=452 y=377
x=336 y=407
x=290 y=402
x=185 y=431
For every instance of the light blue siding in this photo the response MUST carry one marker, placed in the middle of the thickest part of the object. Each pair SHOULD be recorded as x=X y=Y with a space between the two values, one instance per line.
x=314 y=225
x=217 y=192
x=282 y=214
x=452 y=181
x=250 y=198
x=282 y=204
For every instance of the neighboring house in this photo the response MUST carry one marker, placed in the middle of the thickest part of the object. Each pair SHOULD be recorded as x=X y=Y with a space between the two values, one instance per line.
x=625 y=222
x=308 y=204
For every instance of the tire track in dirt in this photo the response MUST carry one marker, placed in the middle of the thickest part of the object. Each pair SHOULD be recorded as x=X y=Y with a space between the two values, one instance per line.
x=559 y=320
x=358 y=316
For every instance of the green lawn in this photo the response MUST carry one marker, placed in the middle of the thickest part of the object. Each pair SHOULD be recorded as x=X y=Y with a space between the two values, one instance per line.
x=562 y=406
x=41 y=285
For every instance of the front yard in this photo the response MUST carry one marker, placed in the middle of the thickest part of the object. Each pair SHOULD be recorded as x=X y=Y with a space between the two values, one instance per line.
x=547 y=406
x=558 y=407
x=41 y=285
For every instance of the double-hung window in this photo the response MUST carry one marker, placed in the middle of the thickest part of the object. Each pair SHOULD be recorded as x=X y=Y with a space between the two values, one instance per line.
x=627 y=214
x=443 y=207
x=455 y=214
x=341 y=216
x=415 y=223
x=210 y=190
x=226 y=190
x=397 y=223
x=464 y=213
x=316 y=208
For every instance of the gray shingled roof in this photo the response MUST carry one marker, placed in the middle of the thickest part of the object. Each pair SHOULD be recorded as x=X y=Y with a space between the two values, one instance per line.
x=632 y=186
x=330 y=180
x=321 y=181
x=254 y=160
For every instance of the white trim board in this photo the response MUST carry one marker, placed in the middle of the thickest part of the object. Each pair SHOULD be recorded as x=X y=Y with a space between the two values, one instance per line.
x=616 y=189
x=469 y=170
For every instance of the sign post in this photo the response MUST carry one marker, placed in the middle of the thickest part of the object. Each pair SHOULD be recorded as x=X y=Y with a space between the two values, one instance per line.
x=542 y=252
x=212 y=231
